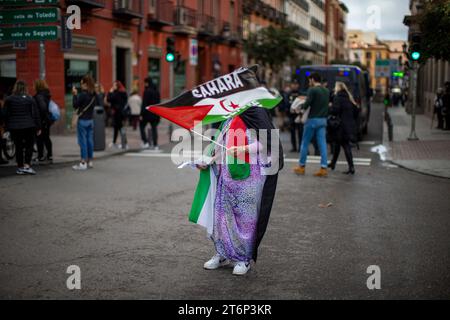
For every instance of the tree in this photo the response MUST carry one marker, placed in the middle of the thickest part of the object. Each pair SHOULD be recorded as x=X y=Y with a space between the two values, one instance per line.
x=435 y=25
x=272 y=46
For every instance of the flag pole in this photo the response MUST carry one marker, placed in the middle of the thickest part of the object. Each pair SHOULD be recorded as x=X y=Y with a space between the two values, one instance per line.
x=209 y=139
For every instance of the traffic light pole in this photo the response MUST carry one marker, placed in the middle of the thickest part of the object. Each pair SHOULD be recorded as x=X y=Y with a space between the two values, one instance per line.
x=171 y=93
x=413 y=135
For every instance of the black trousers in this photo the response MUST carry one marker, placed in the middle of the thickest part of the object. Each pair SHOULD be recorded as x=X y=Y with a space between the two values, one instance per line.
x=118 y=125
x=24 y=141
x=440 y=118
x=296 y=133
x=44 y=141
x=154 y=124
x=347 y=150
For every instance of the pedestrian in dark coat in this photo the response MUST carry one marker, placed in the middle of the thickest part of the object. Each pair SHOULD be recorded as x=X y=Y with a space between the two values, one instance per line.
x=23 y=121
x=151 y=97
x=344 y=130
x=118 y=100
x=446 y=107
x=42 y=99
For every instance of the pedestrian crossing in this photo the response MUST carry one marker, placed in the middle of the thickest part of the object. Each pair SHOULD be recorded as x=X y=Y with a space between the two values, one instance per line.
x=363 y=162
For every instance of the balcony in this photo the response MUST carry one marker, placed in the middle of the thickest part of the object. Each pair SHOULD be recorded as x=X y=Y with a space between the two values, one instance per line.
x=317 y=24
x=206 y=25
x=128 y=9
x=185 y=20
x=88 y=4
x=319 y=3
x=302 y=4
x=317 y=47
x=161 y=15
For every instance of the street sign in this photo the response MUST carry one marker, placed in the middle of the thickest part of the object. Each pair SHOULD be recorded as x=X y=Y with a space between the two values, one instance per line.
x=383 y=69
x=38 y=15
x=18 y=3
x=36 y=33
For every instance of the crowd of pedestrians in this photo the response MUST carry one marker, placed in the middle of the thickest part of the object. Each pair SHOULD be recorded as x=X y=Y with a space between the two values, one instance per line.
x=29 y=120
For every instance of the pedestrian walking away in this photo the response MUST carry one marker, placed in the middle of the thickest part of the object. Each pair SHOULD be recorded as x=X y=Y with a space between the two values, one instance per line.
x=23 y=121
x=2 y=130
x=446 y=105
x=135 y=103
x=342 y=125
x=151 y=97
x=42 y=99
x=439 y=108
x=84 y=103
x=118 y=99
x=316 y=108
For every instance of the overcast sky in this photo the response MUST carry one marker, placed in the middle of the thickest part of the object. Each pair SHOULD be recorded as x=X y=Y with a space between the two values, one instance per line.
x=391 y=13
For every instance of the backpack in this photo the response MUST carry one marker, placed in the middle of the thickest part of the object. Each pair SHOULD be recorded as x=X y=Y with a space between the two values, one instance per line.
x=53 y=109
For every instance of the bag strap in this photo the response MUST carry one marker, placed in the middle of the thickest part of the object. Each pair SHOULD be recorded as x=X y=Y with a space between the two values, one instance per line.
x=86 y=109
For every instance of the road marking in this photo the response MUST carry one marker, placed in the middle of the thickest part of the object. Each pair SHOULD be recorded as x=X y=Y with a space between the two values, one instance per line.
x=367 y=143
x=365 y=162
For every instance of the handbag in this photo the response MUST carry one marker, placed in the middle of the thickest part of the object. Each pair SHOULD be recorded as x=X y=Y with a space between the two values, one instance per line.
x=77 y=115
x=333 y=122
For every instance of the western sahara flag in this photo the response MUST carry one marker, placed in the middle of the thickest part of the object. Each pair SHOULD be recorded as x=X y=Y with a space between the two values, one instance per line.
x=217 y=100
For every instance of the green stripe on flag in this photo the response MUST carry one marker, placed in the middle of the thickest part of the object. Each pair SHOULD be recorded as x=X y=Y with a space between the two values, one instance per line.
x=200 y=195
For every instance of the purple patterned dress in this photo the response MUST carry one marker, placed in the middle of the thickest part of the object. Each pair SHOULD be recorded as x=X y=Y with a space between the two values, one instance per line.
x=236 y=211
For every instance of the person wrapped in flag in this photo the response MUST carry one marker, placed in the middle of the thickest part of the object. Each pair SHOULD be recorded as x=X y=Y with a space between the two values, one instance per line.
x=237 y=187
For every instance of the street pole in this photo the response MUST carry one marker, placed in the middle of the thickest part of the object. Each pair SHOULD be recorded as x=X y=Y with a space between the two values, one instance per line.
x=413 y=135
x=171 y=93
x=42 y=72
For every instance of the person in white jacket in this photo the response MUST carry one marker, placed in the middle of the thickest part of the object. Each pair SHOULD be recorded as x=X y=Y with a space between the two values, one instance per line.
x=135 y=102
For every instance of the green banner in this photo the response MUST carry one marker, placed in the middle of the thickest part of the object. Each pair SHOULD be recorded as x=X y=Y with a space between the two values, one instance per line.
x=36 y=33
x=39 y=15
x=5 y=3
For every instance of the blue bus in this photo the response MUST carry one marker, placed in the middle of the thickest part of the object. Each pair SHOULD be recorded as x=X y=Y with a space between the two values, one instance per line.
x=356 y=80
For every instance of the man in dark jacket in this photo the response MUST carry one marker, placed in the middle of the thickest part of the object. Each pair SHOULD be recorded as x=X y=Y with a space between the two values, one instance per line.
x=151 y=97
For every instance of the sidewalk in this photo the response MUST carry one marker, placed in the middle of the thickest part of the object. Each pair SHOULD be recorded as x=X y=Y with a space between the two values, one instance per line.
x=429 y=155
x=66 y=149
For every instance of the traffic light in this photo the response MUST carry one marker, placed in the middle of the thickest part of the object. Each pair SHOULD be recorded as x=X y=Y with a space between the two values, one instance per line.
x=170 y=50
x=416 y=47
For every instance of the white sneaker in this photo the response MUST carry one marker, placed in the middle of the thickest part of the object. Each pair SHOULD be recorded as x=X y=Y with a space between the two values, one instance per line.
x=80 y=167
x=145 y=146
x=216 y=262
x=113 y=146
x=29 y=171
x=156 y=148
x=241 y=268
x=91 y=165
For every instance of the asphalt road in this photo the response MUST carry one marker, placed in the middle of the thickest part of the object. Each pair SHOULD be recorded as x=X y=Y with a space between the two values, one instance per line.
x=125 y=225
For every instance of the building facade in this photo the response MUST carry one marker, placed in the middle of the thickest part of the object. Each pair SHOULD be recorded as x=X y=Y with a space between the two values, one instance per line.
x=318 y=38
x=126 y=40
x=432 y=74
x=366 y=49
x=336 y=21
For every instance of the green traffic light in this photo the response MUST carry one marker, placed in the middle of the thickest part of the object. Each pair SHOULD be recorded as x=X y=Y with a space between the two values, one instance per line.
x=415 y=55
x=170 y=57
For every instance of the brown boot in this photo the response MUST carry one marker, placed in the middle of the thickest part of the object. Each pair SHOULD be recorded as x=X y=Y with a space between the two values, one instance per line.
x=321 y=173
x=299 y=170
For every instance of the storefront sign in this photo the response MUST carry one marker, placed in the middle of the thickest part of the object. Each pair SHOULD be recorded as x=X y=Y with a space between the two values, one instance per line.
x=36 y=33
x=80 y=41
x=39 y=15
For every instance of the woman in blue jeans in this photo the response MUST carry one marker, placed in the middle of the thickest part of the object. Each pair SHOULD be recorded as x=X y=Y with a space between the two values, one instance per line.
x=84 y=103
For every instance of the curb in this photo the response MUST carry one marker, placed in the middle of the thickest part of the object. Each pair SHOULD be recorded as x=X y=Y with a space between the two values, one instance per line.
x=389 y=159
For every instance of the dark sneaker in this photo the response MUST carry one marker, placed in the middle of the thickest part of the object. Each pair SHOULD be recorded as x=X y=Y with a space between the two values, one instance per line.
x=20 y=172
